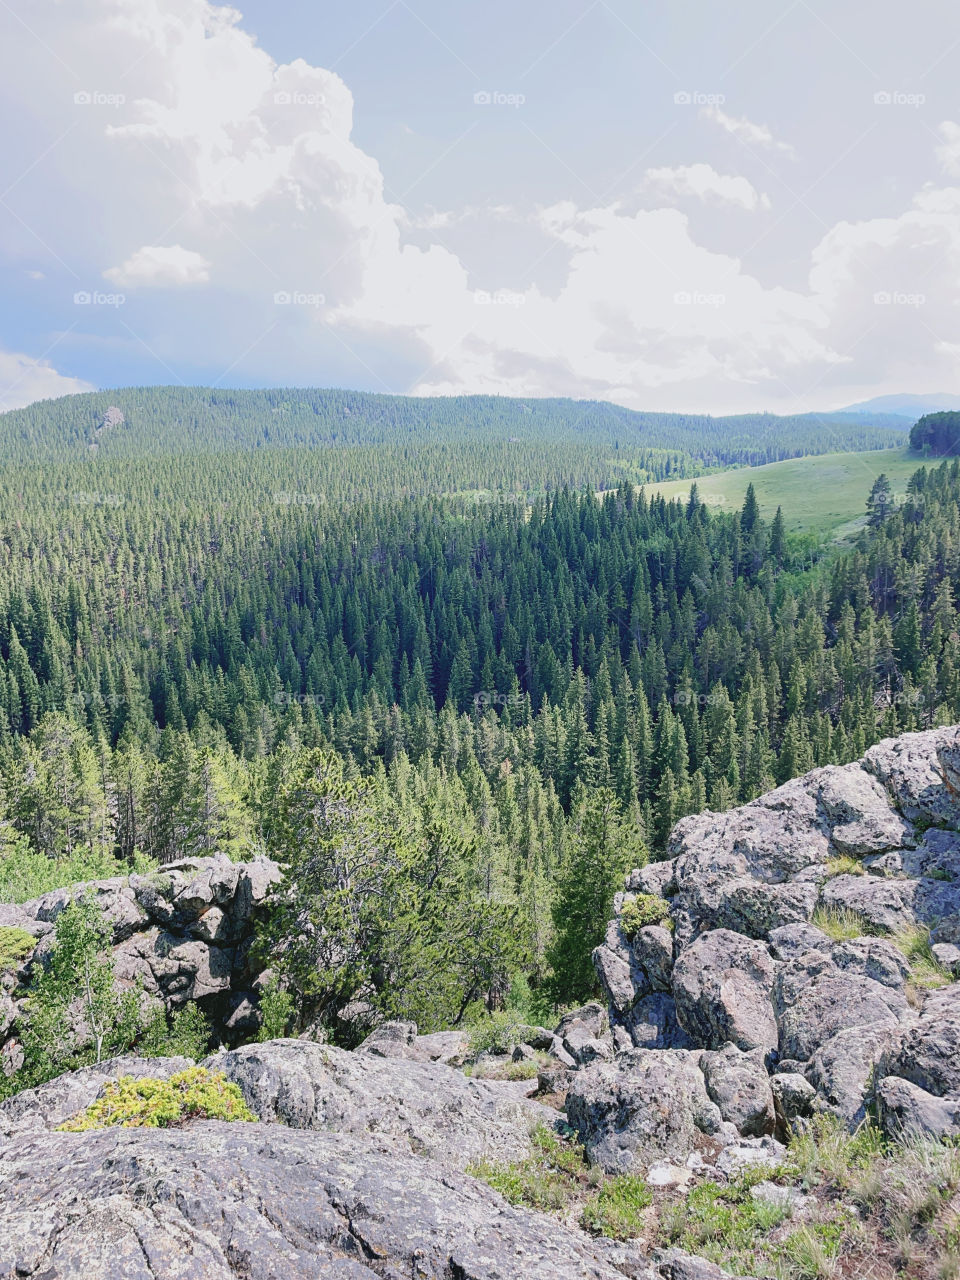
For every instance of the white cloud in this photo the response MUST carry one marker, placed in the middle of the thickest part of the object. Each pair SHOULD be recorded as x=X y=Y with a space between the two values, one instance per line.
x=948 y=153
x=755 y=135
x=157 y=265
x=24 y=379
x=255 y=165
x=703 y=182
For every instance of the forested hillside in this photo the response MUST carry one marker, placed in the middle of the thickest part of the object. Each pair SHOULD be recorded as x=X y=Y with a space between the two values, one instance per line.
x=533 y=685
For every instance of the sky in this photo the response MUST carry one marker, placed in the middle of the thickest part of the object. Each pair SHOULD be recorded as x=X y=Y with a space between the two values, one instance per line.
x=674 y=205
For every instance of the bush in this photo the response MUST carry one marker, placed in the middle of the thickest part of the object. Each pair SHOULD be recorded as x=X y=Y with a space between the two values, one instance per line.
x=25 y=874
x=642 y=910
x=15 y=946
x=276 y=1012
x=186 y=1034
x=194 y=1094
x=498 y=1033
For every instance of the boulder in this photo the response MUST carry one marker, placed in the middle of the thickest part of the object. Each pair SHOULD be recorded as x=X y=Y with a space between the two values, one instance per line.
x=843 y=1069
x=397 y=1104
x=815 y=997
x=652 y=1024
x=792 y=940
x=216 y=1200
x=648 y=1106
x=738 y=1083
x=906 y=1110
x=910 y=768
x=793 y=1097
x=883 y=904
x=928 y=1053
x=592 y=1015
x=391 y=1040
x=859 y=811
x=722 y=985
x=583 y=1046
x=653 y=951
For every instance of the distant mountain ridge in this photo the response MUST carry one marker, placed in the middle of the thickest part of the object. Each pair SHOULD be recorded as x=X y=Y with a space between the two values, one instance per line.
x=906 y=405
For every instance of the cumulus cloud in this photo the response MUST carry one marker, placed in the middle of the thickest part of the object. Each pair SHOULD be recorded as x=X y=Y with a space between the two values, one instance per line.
x=252 y=163
x=157 y=265
x=24 y=379
x=703 y=182
x=948 y=153
x=754 y=135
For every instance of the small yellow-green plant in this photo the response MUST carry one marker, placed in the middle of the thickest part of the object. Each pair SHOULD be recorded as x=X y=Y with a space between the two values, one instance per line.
x=841 y=924
x=645 y=909
x=844 y=866
x=194 y=1094
x=925 y=969
x=15 y=946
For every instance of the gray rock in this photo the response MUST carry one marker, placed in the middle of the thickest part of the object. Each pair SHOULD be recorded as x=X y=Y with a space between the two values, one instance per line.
x=928 y=1053
x=790 y=1199
x=593 y=1016
x=937 y=855
x=213 y=1201
x=50 y=1104
x=750 y=1153
x=647 y=1106
x=815 y=997
x=558 y=1052
x=401 y=1106
x=674 y=1264
x=843 y=1069
x=616 y=977
x=652 y=1024
x=911 y=770
x=722 y=985
x=906 y=1110
x=391 y=1040
x=793 y=1096
x=792 y=940
x=583 y=1046
x=656 y=878
x=884 y=904
x=653 y=949
x=738 y=1083
x=554 y=1079
x=861 y=816
x=947 y=956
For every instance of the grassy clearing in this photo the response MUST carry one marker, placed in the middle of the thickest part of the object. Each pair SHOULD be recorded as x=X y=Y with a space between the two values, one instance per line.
x=844 y=866
x=824 y=495
x=841 y=924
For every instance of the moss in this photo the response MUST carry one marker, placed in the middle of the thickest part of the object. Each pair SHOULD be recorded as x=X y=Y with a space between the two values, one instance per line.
x=642 y=910
x=15 y=946
x=194 y=1094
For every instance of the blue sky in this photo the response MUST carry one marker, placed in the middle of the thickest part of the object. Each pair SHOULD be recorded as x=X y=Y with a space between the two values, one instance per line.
x=672 y=205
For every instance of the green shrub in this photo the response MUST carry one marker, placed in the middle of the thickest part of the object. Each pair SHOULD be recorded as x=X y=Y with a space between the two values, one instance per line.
x=642 y=910
x=185 y=1034
x=276 y=1012
x=194 y=1094
x=617 y=1209
x=15 y=946
x=25 y=874
x=497 y=1033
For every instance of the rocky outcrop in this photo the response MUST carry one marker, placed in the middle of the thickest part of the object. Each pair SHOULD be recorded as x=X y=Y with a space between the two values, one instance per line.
x=845 y=1016
x=218 y=1201
x=182 y=934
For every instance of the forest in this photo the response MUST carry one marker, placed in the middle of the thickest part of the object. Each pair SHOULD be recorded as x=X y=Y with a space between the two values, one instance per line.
x=515 y=669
